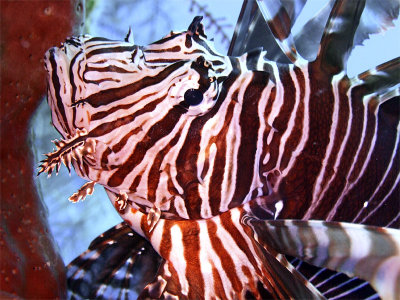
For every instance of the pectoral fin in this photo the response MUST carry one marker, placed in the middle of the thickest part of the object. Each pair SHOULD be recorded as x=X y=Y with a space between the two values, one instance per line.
x=370 y=253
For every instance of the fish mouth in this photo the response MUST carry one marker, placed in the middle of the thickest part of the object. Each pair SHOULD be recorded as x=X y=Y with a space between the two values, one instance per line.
x=57 y=62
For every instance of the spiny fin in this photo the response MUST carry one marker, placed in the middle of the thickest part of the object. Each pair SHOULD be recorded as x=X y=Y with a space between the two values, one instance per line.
x=196 y=27
x=118 y=265
x=121 y=202
x=377 y=17
x=334 y=284
x=270 y=275
x=286 y=282
x=280 y=23
x=368 y=252
x=66 y=150
x=252 y=31
x=337 y=40
x=153 y=217
x=129 y=37
x=86 y=189
x=157 y=287
x=380 y=78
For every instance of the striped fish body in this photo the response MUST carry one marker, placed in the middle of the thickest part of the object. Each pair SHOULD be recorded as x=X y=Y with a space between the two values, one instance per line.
x=196 y=150
x=309 y=138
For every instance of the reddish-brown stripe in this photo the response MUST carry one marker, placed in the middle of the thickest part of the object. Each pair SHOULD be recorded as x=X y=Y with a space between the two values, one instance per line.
x=339 y=135
x=214 y=195
x=266 y=149
x=249 y=124
x=166 y=240
x=298 y=185
x=154 y=174
x=218 y=285
x=296 y=133
x=107 y=127
x=173 y=49
x=358 y=110
x=155 y=133
x=226 y=259
x=191 y=246
x=340 y=179
x=187 y=159
x=227 y=223
x=281 y=121
x=102 y=114
x=251 y=283
x=108 y=96
x=392 y=198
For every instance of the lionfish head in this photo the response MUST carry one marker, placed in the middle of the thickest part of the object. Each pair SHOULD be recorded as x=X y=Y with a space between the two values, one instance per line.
x=108 y=97
x=182 y=68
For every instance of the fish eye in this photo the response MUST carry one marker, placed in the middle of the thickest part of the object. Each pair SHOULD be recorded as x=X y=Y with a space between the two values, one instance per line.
x=193 y=97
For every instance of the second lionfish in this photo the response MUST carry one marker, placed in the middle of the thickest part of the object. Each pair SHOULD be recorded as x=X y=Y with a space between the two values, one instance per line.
x=202 y=153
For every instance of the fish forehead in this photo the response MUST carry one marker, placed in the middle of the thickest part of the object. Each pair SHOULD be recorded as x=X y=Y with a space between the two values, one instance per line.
x=85 y=66
x=84 y=55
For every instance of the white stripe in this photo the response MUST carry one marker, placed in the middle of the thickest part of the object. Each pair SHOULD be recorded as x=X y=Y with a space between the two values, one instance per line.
x=208 y=255
x=291 y=123
x=349 y=185
x=177 y=258
x=318 y=191
x=233 y=137
x=382 y=202
x=305 y=132
x=257 y=182
x=204 y=188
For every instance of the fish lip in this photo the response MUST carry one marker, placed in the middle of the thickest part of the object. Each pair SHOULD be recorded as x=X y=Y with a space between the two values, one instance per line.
x=59 y=89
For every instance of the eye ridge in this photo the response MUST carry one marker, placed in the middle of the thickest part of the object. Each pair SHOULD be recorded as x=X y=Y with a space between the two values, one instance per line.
x=193 y=97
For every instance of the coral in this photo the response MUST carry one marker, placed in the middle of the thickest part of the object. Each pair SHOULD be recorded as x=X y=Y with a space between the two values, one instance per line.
x=30 y=266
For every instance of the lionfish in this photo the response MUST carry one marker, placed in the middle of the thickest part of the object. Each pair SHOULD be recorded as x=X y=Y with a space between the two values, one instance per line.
x=259 y=175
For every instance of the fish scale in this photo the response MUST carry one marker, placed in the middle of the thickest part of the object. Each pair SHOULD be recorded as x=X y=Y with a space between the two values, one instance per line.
x=199 y=152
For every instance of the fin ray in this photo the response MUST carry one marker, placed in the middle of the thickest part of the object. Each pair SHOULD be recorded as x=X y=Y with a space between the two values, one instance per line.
x=118 y=264
x=356 y=250
x=337 y=39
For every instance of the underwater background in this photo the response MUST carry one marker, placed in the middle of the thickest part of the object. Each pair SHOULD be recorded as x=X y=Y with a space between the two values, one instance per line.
x=75 y=225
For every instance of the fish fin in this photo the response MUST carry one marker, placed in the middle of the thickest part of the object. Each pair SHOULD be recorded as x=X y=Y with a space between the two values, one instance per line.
x=66 y=150
x=153 y=217
x=308 y=38
x=286 y=281
x=280 y=23
x=121 y=202
x=163 y=286
x=117 y=265
x=129 y=37
x=334 y=284
x=196 y=27
x=267 y=24
x=84 y=190
x=376 y=18
x=244 y=269
x=279 y=280
x=368 y=252
x=381 y=78
x=389 y=95
x=337 y=39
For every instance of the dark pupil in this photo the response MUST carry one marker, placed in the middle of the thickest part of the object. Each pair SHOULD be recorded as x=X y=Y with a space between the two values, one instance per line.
x=193 y=97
